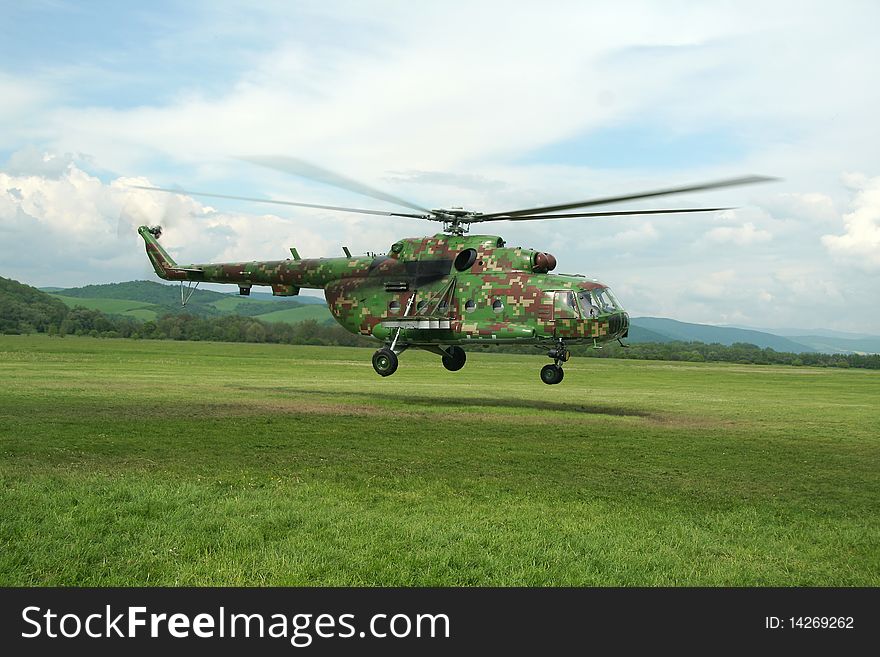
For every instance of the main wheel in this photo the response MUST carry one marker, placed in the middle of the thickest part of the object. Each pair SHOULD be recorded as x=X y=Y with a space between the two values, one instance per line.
x=551 y=374
x=385 y=362
x=454 y=359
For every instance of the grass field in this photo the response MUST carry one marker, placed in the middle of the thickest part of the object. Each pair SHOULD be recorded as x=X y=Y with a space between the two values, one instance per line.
x=146 y=463
x=125 y=307
x=292 y=315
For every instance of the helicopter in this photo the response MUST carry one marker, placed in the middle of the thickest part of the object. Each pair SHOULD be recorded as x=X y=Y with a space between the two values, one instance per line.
x=443 y=292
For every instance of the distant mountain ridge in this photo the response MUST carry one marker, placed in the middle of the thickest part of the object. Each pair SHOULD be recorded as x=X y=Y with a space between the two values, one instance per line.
x=829 y=341
x=830 y=345
x=672 y=330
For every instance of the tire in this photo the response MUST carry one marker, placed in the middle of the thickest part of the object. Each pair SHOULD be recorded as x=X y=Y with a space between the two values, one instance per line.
x=454 y=359
x=552 y=374
x=385 y=362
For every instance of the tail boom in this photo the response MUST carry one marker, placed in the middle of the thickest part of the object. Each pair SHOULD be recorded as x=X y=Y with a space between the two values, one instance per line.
x=284 y=276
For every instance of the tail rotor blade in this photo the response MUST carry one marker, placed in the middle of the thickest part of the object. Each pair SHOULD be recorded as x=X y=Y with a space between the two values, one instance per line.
x=173 y=208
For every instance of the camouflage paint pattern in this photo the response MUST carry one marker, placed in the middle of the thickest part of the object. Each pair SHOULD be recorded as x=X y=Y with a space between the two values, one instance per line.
x=504 y=295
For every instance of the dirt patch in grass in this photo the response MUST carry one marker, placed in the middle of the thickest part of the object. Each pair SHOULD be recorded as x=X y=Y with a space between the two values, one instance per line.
x=298 y=407
x=442 y=404
x=670 y=421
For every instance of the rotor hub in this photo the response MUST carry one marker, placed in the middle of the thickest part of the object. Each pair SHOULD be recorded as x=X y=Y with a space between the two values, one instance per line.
x=456 y=221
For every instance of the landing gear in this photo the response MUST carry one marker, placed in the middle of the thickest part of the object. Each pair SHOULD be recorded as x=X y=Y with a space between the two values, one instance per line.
x=553 y=374
x=385 y=362
x=454 y=359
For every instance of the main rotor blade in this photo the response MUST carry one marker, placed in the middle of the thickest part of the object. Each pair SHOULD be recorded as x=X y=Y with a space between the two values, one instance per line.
x=731 y=182
x=268 y=200
x=305 y=170
x=619 y=213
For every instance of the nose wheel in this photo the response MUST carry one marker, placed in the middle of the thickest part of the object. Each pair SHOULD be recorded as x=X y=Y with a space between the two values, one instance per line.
x=553 y=374
x=385 y=362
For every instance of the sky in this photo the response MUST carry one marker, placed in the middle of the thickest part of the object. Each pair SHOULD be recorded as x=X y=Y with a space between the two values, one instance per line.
x=487 y=105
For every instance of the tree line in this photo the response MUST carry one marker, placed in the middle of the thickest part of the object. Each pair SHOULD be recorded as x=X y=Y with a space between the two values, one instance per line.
x=228 y=328
x=700 y=352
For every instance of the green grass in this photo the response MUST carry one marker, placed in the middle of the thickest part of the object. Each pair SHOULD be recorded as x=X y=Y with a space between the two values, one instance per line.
x=231 y=303
x=292 y=315
x=125 y=307
x=146 y=463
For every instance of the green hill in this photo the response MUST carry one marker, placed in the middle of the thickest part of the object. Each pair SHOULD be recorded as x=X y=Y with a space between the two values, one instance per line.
x=144 y=291
x=124 y=307
x=639 y=334
x=685 y=332
x=24 y=309
x=268 y=296
x=148 y=300
x=320 y=314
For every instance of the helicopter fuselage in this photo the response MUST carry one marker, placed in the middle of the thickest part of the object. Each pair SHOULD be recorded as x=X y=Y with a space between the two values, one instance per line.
x=438 y=290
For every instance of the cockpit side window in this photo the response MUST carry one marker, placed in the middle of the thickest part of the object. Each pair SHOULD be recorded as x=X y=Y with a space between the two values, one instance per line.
x=606 y=300
x=589 y=306
x=597 y=302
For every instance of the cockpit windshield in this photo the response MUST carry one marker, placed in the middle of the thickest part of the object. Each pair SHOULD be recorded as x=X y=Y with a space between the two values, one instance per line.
x=597 y=301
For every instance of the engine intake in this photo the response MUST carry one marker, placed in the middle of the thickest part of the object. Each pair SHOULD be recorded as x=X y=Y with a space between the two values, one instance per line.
x=543 y=262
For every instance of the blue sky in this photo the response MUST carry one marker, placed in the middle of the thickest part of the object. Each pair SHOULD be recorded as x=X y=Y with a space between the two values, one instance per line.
x=490 y=105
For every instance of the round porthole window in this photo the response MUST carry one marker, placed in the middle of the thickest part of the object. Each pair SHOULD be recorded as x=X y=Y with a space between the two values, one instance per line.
x=497 y=305
x=394 y=306
x=420 y=307
x=469 y=306
x=443 y=307
x=465 y=259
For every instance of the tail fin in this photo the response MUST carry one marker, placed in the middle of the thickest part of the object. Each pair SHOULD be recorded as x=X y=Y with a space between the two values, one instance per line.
x=162 y=262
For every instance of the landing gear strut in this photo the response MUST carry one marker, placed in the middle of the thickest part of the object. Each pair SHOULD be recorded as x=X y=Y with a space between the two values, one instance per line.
x=553 y=374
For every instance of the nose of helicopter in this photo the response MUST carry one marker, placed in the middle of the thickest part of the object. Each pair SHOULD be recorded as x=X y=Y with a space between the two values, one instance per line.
x=618 y=325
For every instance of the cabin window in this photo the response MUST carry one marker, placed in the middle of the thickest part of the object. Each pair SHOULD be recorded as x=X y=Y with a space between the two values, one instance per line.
x=421 y=306
x=443 y=306
x=497 y=305
x=470 y=306
x=564 y=305
x=394 y=306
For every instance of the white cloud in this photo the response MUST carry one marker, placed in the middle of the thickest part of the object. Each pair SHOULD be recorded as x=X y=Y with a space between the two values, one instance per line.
x=859 y=245
x=812 y=207
x=741 y=235
x=31 y=161
x=717 y=285
x=639 y=236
